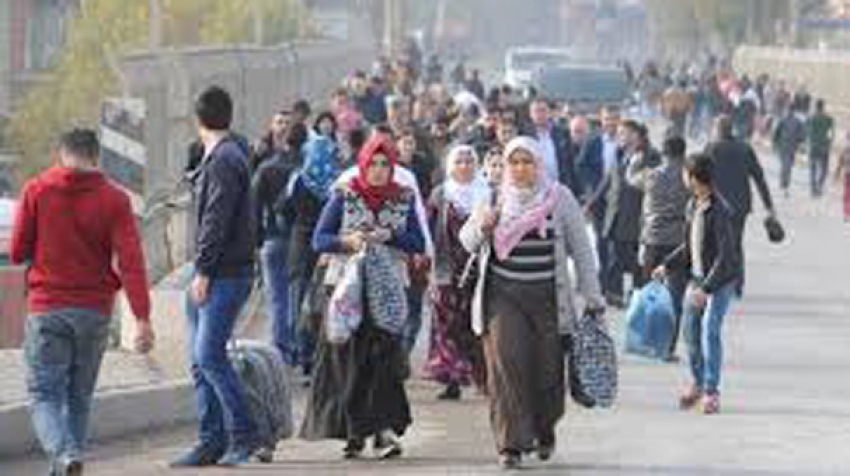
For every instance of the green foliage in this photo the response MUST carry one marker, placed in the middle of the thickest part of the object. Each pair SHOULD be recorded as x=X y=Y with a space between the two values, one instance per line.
x=103 y=30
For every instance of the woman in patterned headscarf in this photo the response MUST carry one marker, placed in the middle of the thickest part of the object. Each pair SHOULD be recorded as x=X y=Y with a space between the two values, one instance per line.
x=523 y=301
x=454 y=348
x=358 y=388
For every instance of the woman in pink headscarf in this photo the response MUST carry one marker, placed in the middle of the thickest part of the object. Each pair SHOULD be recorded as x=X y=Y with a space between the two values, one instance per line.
x=524 y=302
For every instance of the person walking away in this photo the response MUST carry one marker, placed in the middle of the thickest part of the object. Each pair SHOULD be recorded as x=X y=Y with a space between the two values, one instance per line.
x=665 y=201
x=454 y=356
x=224 y=261
x=523 y=301
x=273 y=233
x=842 y=172
x=736 y=167
x=306 y=193
x=358 y=389
x=677 y=105
x=70 y=226
x=622 y=225
x=787 y=137
x=709 y=255
x=821 y=131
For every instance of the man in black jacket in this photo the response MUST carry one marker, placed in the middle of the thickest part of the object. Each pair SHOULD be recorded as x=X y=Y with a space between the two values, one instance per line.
x=735 y=166
x=224 y=259
x=273 y=236
x=709 y=253
x=622 y=225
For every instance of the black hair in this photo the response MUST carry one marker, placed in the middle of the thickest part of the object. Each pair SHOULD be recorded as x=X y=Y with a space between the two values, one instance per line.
x=674 y=146
x=701 y=168
x=384 y=128
x=81 y=143
x=302 y=107
x=321 y=117
x=820 y=105
x=633 y=126
x=214 y=109
x=357 y=138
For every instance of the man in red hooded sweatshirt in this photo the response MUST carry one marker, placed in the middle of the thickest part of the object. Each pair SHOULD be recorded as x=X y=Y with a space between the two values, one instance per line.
x=71 y=226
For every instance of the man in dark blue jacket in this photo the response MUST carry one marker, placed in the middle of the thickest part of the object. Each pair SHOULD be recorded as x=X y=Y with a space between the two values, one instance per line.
x=224 y=259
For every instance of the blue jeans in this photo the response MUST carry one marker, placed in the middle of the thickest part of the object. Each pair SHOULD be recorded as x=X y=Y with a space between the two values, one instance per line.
x=302 y=264
x=276 y=287
x=703 y=335
x=787 y=157
x=222 y=406
x=63 y=351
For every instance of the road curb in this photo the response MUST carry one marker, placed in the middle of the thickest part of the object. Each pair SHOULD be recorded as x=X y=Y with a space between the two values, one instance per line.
x=114 y=414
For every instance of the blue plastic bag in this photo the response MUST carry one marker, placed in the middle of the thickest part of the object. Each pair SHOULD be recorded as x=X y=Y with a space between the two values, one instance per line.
x=650 y=321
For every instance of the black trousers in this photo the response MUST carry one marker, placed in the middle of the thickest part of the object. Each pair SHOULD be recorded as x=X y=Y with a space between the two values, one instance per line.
x=622 y=259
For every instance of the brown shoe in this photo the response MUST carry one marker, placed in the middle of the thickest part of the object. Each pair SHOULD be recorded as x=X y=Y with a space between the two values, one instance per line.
x=711 y=404
x=690 y=399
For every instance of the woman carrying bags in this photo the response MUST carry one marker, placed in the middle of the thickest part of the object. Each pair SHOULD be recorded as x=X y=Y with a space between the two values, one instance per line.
x=358 y=389
x=454 y=357
x=523 y=302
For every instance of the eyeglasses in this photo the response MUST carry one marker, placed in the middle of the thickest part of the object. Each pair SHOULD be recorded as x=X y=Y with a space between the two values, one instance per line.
x=384 y=163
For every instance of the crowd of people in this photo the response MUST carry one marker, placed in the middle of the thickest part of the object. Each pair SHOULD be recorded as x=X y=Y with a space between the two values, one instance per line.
x=507 y=215
x=786 y=115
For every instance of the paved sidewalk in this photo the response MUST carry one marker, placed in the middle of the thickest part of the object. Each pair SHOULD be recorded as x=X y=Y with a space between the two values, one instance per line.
x=121 y=371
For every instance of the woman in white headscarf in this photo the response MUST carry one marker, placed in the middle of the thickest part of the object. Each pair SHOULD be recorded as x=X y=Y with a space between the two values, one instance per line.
x=455 y=357
x=523 y=304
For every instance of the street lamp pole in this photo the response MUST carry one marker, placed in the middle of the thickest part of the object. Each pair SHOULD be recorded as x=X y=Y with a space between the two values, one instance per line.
x=154 y=24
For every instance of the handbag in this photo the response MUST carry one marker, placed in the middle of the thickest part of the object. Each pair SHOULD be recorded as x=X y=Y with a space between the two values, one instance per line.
x=650 y=321
x=593 y=355
x=774 y=229
x=386 y=295
x=345 y=307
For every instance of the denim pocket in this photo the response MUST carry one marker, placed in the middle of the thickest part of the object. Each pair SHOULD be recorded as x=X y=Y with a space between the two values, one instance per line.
x=44 y=344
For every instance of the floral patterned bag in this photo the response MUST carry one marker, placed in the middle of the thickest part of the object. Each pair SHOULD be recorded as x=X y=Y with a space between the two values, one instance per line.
x=345 y=307
x=385 y=292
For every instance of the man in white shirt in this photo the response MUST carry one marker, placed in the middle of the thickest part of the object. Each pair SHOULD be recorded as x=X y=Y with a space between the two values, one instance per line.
x=555 y=144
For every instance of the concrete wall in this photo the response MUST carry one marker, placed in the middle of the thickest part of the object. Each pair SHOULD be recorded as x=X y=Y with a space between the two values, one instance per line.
x=261 y=80
x=827 y=73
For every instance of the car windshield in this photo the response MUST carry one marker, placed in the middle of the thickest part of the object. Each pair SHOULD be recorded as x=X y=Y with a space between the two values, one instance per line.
x=531 y=60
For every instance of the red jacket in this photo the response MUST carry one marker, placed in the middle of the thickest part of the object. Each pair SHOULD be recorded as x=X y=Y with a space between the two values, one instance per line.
x=71 y=226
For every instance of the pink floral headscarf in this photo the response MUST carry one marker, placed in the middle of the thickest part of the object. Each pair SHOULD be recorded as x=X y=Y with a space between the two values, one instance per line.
x=523 y=210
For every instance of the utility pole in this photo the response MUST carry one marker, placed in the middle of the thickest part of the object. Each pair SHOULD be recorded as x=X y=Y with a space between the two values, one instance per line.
x=257 y=16
x=154 y=25
x=393 y=25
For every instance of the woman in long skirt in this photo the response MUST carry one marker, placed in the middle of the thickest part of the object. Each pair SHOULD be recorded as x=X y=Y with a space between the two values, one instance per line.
x=454 y=357
x=523 y=303
x=358 y=389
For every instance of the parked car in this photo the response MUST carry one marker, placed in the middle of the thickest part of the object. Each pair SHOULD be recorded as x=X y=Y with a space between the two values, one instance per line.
x=523 y=62
x=583 y=86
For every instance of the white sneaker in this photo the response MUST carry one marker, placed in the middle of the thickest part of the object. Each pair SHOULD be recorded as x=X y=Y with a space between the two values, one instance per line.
x=387 y=445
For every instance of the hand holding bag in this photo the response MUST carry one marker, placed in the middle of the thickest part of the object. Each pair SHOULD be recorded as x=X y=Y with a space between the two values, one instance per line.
x=345 y=307
x=593 y=356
